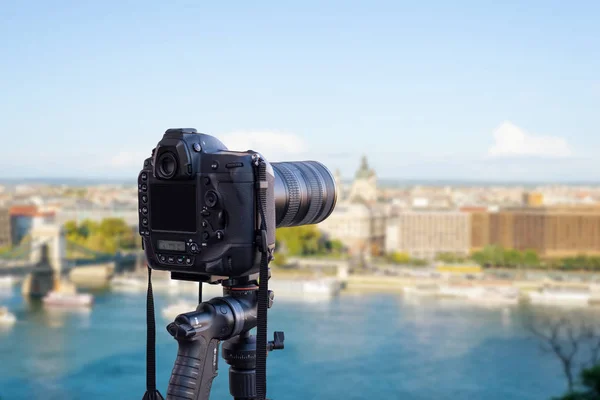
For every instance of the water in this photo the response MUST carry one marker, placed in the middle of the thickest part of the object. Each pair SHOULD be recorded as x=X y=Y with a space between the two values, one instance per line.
x=353 y=347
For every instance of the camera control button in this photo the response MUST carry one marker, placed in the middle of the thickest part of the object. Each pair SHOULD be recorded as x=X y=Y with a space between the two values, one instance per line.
x=180 y=260
x=144 y=176
x=143 y=187
x=205 y=235
x=171 y=259
x=163 y=258
x=189 y=260
x=205 y=213
x=214 y=165
x=204 y=224
x=144 y=210
x=194 y=248
x=222 y=219
x=220 y=235
x=206 y=180
x=144 y=198
x=211 y=198
x=234 y=165
x=144 y=221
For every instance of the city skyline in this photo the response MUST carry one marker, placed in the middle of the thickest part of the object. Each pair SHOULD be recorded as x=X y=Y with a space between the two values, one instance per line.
x=451 y=92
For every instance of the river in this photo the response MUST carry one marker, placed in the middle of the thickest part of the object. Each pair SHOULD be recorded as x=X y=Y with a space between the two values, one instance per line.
x=351 y=347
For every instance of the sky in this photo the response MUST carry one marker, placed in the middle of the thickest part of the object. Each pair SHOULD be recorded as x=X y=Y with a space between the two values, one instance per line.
x=427 y=90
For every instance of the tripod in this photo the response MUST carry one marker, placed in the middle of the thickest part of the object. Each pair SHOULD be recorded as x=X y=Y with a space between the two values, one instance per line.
x=229 y=318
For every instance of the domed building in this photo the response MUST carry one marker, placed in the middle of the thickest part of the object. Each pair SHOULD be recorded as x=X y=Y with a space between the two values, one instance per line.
x=357 y=221
x=364 y=187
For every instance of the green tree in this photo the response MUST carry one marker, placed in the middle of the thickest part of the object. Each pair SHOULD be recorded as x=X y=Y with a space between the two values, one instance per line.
x=450 y=258
x=590 y=382
x=335 y=246
x=280 y=259
x=300 y=240
x=399 y=258
x=531 y=259
x=512 y=258
x=480 y=258
x=107 y=236
x=417 y=262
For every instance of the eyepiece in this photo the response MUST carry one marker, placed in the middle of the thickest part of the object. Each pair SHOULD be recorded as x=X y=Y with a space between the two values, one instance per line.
x=167 y=165
x=305 y=193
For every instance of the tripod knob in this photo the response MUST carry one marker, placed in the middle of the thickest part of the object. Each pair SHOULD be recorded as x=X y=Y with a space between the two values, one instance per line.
x=277 y=343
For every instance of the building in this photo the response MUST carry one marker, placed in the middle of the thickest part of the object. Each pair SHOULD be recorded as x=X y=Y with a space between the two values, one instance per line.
x=360 y=227
x=533 y=199
x=358 y=221
x=349 y=223
x=364 y=187
x=425 y=234
x=5 y=237
x=23 y=218
x=557 y=231
x=85 y=210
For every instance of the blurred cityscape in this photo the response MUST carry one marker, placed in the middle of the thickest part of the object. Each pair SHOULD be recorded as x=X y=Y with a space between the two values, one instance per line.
x=556 y=225
x=503 y=247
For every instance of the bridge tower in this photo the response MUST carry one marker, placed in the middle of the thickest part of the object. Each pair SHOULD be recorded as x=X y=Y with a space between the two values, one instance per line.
x=48 y=251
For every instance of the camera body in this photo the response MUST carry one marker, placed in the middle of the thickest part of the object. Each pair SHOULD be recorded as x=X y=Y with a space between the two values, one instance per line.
x=198 y=208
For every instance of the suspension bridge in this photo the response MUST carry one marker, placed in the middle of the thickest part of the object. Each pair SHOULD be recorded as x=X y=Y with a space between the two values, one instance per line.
x=46 y=257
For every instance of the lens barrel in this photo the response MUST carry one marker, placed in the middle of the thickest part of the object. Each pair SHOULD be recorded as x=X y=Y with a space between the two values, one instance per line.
x=305 y=193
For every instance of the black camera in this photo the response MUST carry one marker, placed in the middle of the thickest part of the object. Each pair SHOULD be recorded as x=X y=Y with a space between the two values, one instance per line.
x=200 y=213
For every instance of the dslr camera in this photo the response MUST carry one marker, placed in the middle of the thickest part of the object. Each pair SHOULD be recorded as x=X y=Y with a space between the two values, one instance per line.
x=199 y=212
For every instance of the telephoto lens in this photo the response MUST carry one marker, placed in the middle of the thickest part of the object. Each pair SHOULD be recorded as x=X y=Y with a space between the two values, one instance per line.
x=305 y=193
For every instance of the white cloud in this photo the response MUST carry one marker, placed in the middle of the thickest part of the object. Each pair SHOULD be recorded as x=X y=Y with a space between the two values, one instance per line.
x=128 y=159
x=271 y=144
x=511 y=140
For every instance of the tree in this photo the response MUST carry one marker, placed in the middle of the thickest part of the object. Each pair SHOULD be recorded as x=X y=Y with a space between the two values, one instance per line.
x=571 y=338
x=480 y=258
x=417 y=262
x=335 y=246
x=531 y=258
x=107 y=236
x=280 y=259
x=399 y=258
x=512 y=258
x=590 y=382
x=449 y=258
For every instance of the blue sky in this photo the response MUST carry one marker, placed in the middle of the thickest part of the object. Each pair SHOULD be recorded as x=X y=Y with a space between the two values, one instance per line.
x=427 y=90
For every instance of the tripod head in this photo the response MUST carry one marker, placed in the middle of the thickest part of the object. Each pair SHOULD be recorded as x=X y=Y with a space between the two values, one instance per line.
x=229 y=318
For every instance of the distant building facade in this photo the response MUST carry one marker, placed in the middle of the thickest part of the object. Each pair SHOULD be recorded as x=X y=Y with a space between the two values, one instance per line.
x=551 y=231
x=87 y=211
x=425 y=234
x=349 y=223
x=5 y=236
x=23 y=218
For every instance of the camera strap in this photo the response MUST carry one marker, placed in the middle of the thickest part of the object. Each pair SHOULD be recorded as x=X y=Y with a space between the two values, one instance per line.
x=263 y=286
x=151 y=392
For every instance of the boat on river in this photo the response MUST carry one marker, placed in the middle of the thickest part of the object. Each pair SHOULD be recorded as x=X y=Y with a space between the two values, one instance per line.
x=66 y=296
x=127 y=283
x=560 y=296
x=309 y=289
x=422 y=290
x=485 y=295
x=6 y=317
x=6 y=281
